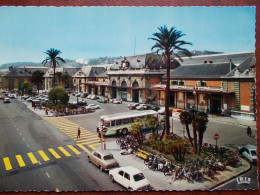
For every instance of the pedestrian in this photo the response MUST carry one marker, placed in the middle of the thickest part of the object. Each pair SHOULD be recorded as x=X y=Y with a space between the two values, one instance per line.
x=78 y=136
x=249 y=131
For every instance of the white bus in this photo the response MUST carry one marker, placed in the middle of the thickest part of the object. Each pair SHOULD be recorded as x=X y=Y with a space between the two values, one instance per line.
x=120 y=123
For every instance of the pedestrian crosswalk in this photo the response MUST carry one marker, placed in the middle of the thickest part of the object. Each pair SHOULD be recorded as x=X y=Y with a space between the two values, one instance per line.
x=41 y=156
x=70 y=129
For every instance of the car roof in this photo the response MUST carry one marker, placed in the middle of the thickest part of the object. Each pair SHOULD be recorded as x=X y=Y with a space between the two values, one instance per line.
x=251 y=147
x=104 y=152
x=132 y=170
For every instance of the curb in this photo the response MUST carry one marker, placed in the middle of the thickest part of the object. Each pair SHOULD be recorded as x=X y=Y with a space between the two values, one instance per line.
x=219 y=184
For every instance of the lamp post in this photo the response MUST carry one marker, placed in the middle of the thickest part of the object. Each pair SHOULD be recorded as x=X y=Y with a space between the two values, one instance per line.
x=254 y=103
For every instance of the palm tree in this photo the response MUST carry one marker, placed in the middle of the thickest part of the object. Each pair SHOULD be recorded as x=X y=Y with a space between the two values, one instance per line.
x=186 y=119
x=199 y=124
x=168 y=42
x=53 y=59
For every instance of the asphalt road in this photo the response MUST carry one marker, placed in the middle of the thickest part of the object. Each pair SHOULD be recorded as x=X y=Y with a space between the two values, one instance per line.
x=22 y=132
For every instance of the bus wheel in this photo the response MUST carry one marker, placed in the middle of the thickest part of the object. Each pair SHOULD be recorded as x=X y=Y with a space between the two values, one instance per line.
x=124 y=131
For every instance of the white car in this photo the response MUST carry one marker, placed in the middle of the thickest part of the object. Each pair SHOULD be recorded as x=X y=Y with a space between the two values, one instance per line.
x=93 y=97
x=25 y=97
x=7 y=100
x=93 y=106
x=130 y=177
x=161 y=110
x=249 y=152
x=117 y=101
x=142 y=107
x=12 y=96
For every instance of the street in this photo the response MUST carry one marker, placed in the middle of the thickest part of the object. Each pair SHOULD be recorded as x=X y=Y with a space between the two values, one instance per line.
x=27 y=133
x=23 y=133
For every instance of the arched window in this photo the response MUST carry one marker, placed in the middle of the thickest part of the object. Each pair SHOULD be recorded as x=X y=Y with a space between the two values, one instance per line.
x=123 y=84
x=113 y=83
x=135 y=84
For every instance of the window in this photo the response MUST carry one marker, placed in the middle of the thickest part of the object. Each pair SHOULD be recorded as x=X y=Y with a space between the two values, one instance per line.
x=99 y=156
x=125 y=121
x=181 y=83
x=138 y=177
x=127 y=176
x=108 y=157
x=121 y=173
x=174 y=82
x=113 y=123
x=107 y=123
x=203 y=83
x=131 y=120
x=119 y=122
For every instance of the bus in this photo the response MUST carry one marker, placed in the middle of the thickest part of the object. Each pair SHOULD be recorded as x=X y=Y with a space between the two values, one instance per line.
x=120 y=123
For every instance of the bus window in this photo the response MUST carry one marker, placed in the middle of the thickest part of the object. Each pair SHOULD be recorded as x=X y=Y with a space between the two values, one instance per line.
x=126 y=121
x=107 y=123
x=113 y=123
x=118 y=122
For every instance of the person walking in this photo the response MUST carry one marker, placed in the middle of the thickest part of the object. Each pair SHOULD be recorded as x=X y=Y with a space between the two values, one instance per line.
x=249 y=131
x=78 y=136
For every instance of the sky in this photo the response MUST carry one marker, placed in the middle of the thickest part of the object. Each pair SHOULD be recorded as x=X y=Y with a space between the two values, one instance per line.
x=91 y=32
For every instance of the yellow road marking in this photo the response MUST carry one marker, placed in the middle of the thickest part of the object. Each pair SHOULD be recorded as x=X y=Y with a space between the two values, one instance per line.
x=92 y=142
x=57 y=190
x=74 y=149
x=55 y=154
x=64 y=151
x=32 y=158
x=20 y=160
x=86 y=141
x=83 y=148
x=47 y=175
x=7 y=163
x=43 y=155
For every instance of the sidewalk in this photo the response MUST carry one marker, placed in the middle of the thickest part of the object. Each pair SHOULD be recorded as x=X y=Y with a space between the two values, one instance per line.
x=160 y=182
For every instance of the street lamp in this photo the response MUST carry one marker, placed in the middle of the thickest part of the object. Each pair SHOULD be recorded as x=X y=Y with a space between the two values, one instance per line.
x=254 y=103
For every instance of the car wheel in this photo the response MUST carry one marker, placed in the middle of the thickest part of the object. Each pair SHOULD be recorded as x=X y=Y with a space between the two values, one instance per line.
x=124 y=131
x=112 y=178
x=89 y=160
x=100 y=168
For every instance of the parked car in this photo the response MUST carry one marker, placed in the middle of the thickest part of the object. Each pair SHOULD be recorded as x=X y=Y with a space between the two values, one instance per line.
x=12 y=96
x=84 y=95
x=130 y=177
x=132 y=106
x=7 y=100
x=117 y=101
x=102 y=100
x=2 y=97
x=30 y=99
x=3 y=91
x=82 y=103
x=162 y=111
x=25 y=97
x=93 y=106
x=155 y=108
x=249 y=152
x=142 y=107
x=93 y=97
x=89 y=96
x=103 y=159
x=77 y=95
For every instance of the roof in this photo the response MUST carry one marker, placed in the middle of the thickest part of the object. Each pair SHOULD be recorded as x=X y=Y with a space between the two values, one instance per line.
x=245 y=65
x=131 y=169
x=89 y=71
x=102 y=75
x=24 y=71
x=150 y=61
x=65 y=70
x=128 y=114
x=237 y=58
x=200 y=71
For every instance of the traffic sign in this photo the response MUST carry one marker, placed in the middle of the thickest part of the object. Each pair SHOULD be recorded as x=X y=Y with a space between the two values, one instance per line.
x=216 y=136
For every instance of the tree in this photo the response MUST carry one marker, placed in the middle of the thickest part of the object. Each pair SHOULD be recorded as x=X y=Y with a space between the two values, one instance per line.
x=167 y=42
x=151 y=122
x=186 y=119
x=37 y=78
x=66 y=80
x=53 y=60
x=26 y=86
x=199 y=124
x=58 y=93
x=136 y=128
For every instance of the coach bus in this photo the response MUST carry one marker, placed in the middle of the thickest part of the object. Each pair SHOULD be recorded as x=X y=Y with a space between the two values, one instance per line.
x=120 y=123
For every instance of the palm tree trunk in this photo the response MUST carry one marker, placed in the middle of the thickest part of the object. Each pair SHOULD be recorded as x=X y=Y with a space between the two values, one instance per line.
x=54 y=75
x=188 y=133
x=200 y=141
x=167 y=121
x=195 y=139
